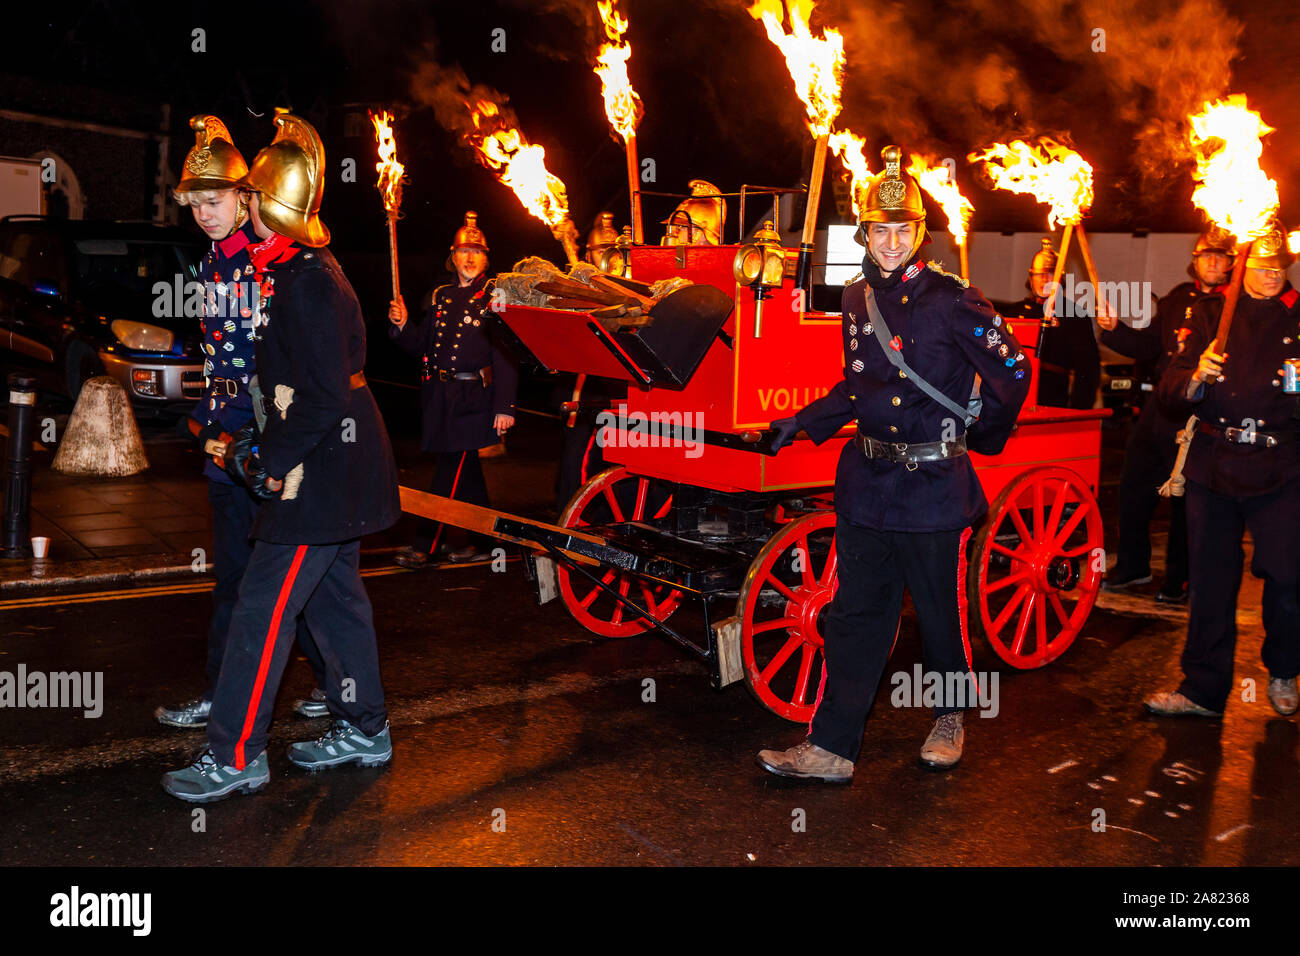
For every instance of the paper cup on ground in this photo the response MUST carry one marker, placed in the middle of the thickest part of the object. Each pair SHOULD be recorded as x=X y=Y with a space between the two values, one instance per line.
x=40 y=547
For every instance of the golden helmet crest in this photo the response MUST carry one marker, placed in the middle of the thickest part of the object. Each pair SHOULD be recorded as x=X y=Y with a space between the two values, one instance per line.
x=1270 y=251
x=289 y=174
x=470 y=234
x=699 y=220
x=893 y=196
x=602 y=236
x=213 y=162
x=1044 y=259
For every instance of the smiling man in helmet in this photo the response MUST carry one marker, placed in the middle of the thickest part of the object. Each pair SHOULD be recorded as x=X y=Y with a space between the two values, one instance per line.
x=210 y=186
x=906 y=495
x=323 y=467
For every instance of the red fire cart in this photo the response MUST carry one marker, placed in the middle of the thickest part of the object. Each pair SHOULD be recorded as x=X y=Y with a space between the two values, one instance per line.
x=697 y=507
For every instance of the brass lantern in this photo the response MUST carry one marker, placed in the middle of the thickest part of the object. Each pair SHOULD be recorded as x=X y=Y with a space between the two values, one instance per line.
x=760 y=265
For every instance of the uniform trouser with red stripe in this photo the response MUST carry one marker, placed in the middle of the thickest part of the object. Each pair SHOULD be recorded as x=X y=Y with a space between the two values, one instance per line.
x=1215 y=525
x=458 y=475
x=323 y=583
x=862 y=620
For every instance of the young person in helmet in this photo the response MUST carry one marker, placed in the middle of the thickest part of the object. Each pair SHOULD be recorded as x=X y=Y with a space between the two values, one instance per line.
x=467 y=388
x=322 y=466
x=209 y=185
x=1069 y=363
x=1152 y=446
x=1243 y=474
x=906 y=495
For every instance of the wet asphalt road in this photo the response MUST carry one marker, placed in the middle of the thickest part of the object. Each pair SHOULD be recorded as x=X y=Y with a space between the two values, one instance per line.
x=505 y=711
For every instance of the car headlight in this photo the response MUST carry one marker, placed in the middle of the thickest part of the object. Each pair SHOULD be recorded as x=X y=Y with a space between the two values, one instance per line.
x=142 y=337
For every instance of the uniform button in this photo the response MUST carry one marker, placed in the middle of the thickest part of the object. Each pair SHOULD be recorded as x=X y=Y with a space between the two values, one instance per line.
x=1276 y=383
x=904 y=300
x=1286 y=340
x=902 y=374
x=893 y=429
x=853 y=398
x=896 y=401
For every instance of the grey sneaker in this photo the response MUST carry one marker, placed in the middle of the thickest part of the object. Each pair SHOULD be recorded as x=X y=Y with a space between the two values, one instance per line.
x=190 y=715
x=205 y=780
x=313 y=706
x=342 y=744
x=942 y=749
x=1174 y=704
x=1282 y=694
x=807 y=761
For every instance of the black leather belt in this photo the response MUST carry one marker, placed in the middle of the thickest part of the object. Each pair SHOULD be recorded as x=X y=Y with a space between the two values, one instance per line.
x=913 y=453
x=444 y=375
x=1246 y=436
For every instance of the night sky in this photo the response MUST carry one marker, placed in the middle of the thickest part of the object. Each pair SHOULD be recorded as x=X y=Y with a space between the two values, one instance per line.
x=944 y=78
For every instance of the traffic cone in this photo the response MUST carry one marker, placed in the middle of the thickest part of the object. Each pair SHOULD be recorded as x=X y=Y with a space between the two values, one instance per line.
x=101 y=437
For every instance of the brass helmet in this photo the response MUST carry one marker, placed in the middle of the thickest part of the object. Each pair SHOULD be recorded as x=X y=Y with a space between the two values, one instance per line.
x=893 y=196
x=469 y=234
x=289 y=174
x=1270 y=251
x=1044 y=259
x=213 y=162
x=602 y=236
x=698 y=221
x=1215 y=239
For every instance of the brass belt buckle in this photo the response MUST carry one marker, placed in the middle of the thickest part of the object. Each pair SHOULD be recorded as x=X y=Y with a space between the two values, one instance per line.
x=911 y=466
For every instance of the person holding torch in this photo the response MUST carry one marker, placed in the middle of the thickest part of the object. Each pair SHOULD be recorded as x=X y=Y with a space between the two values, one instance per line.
x=1242 y=474
x=467 y=387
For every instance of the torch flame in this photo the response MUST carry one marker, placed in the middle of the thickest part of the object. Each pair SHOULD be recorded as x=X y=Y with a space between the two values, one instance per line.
x=622 y=105
x=852 y=151
x=1051 y=173
x=937 y=180
x=1231 y=188
x=389 y=169
x=1293 y=242
x=518 y=164
x=816 y=64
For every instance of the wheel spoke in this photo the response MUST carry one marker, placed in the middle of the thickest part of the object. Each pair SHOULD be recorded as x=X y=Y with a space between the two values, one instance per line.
x=782 y=656
x=613 y=504
x=649 y=598
x=667 y=506
x=642 y=489
x=1022 y=626
x=1011 y=606
x=1017 y=555
x=1058 y=505
x=805 y=671
x=1038 y=510
x=1079 y=514
x=623 y=586
x=1021 y=528
x=1077 y=552
x=1006 y=582
x=596 y=591
x=828 y=572
x=1057 y=606
x=782 y=589
x=1040 y=612
x=776 y=624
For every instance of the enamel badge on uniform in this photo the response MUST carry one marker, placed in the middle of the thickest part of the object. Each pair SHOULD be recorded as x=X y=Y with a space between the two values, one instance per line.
x=857 y=365
x=1003 y=350
x=853 y=345
x=997 y=320
x=911 y=271
x=979 y=330
x=868 y=329
x=993 y=338
x=853 y=330
x=1020 y=373
x=896 y=344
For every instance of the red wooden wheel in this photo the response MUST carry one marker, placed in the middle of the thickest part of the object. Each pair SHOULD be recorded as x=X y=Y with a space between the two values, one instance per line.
x=1037 y=566
x=781 y=606
x=612 y=496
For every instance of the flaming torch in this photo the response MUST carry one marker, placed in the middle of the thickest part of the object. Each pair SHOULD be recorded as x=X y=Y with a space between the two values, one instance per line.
x=622 y=105
x=1052 y=174
x=1227 y=140
x=816 y=65
x=852 y=151
x=521 y=165
x=390 y=185
x=937 y=180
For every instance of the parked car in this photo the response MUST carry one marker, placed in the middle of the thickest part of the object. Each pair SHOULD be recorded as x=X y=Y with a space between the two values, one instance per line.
x=81 y=298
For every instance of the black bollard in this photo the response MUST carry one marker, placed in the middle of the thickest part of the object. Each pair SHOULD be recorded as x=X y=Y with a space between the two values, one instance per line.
x=18 y=467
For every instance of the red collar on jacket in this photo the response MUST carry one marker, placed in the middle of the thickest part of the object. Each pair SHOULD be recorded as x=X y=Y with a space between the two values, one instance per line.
x=275 y=249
